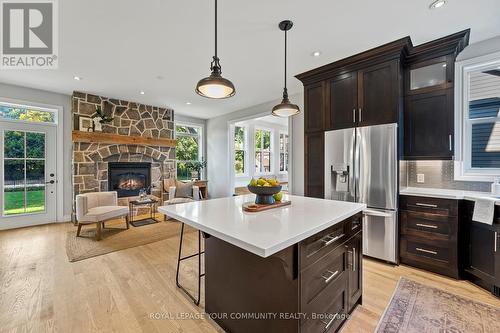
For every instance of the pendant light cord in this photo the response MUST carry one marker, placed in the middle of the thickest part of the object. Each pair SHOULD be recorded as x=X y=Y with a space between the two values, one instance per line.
x=285 y=91
x=215 y=28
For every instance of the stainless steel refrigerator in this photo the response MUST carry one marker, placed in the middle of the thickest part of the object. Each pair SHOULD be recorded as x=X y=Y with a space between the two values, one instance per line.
x=361 y=165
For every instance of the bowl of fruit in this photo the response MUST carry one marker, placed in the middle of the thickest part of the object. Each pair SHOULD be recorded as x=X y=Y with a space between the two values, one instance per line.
x=268 y=190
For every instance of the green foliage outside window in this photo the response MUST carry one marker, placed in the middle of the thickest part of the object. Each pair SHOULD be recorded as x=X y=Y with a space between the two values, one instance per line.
x=16 y=113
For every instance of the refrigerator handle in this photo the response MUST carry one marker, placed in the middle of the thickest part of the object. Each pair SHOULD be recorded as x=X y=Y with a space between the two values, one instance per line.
x=371 y=212
x=357 y=163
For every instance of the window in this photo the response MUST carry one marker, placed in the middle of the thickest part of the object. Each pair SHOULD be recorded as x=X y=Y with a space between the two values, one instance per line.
x=262 y=151
x=24 y=113
x=240 y=150
x=188 y=149
x=478 y=153
x=284 y=152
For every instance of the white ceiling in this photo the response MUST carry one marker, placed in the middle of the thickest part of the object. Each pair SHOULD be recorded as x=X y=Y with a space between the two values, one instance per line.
x=120 y=47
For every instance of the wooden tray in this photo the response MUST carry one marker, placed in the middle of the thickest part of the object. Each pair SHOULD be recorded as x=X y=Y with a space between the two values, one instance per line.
x=252 y=207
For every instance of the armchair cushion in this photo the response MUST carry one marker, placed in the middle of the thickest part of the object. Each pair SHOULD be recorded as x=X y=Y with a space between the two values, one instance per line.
x=86 y=204
x=103 y=213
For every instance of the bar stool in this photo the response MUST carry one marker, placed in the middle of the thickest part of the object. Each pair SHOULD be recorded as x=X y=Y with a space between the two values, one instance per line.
x=196 y=300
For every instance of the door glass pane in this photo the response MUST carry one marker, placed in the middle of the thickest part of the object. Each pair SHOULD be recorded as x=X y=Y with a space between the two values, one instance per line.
x=428 y=76
x=24 y=178
x=266 y=162
x=14 y=187
x=35 y=145
x=257 y=162
x=14 y=144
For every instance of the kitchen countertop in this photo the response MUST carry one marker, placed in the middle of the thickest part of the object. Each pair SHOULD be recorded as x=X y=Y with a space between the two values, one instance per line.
x=447 y=194
x=264 y=233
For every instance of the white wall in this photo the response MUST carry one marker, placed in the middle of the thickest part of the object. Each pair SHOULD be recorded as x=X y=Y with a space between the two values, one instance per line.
x=218 y=144
x=275 y=129
x=50 y=98
x=484 y=47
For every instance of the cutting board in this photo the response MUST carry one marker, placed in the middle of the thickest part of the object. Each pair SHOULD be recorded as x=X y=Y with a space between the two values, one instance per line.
x=252 y=207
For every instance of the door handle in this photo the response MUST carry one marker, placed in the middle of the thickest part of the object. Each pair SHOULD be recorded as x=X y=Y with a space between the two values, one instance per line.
x=327 y=240
x=495 y=243
x=353 y=115
x=354 y=259
x=50 y=182
x=359 y=115
x=426 y=251
x=449 y=138
x=370 y=212
x=430 y=226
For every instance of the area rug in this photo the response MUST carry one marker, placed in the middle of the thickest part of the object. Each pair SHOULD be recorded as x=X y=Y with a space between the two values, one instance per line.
x=417 y=308
x=115 y=238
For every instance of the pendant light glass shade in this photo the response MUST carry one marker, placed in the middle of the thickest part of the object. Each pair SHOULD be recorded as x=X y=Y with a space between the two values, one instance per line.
x=285 y=108
x=215 y=86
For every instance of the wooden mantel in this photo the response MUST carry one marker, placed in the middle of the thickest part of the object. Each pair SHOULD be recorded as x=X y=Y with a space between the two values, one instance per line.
x=99 y=137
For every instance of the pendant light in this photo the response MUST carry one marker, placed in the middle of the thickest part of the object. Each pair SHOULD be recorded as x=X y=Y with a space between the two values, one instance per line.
x=215 y=86
x=285 y=108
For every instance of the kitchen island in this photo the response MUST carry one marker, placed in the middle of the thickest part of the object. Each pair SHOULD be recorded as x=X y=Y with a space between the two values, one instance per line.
x=290 y=269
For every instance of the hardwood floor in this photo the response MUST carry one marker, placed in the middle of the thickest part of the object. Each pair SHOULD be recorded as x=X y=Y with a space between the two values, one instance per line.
x=40 y=291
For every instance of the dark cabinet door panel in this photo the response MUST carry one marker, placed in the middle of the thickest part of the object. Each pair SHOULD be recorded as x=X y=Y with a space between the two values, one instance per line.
x=314 y=164
x=354 y=248
x=314 y=104
x=342 y=101
x=379 y=89
x=428 y=126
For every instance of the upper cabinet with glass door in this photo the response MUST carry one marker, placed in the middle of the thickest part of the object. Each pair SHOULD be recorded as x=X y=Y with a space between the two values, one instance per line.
x=430 y=75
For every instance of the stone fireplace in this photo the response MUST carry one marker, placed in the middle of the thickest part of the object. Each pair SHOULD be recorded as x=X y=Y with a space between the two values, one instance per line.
x=92 y=160
x=129 y=178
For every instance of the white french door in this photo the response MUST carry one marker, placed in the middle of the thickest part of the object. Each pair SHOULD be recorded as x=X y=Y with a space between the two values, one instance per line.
x=28 y=174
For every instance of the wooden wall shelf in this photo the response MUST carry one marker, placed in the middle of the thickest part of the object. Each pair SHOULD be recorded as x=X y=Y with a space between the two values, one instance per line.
x=99 y=137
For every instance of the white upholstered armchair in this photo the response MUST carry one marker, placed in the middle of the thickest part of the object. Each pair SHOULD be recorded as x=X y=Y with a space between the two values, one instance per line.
x=98 y=207
x=174 y=198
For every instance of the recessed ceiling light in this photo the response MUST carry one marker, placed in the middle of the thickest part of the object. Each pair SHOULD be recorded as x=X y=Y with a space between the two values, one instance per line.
x=188 y=103
x=141 y=92
x=437 y=4
x=77 y=78
x=316 y=53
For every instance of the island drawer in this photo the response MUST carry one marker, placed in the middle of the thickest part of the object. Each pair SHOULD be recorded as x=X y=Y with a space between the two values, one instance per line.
x=448 y=207
x=327 y=271
x=317 y=246
x=328 y=311
x=428 y=225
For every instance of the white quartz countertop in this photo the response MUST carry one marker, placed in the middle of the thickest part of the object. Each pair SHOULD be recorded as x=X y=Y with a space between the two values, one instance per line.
x=267 y=232
x=446 y=194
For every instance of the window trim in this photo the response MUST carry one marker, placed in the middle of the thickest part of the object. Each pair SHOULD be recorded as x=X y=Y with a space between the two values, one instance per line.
x=271 y=150
x=200 y=142
x=245 y=152
x=286 y=154
x=463 y=170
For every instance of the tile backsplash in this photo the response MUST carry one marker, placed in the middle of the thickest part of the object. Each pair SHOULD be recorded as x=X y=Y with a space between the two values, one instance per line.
x=438 y=174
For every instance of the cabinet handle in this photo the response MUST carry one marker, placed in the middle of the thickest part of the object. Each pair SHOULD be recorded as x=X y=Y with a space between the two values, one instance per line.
x=330 y=321
x=354 y=259
x=329 y=277
x=353 y=115
x=496 y=237
x=427 y=226
x=359 y=115
x=426 y=251
x=425 y=205
x=327 y=240
x=449 y=138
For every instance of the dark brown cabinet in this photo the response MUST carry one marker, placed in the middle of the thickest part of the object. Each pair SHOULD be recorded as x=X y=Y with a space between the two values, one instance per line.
x=314 y=103
x=429 y=97
x=379 y=90
x=331 y=275
x=428 y=126
x=354 y=248
x=354 y=98
x=342 y=101
x=429 y=234
x=481 y=262
x=314 y=164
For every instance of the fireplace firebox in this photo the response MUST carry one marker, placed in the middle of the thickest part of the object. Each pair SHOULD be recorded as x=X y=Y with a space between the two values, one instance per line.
x=128 y=178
